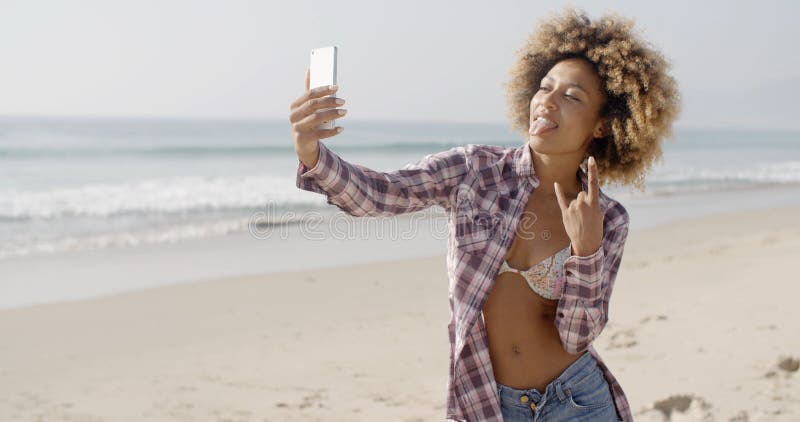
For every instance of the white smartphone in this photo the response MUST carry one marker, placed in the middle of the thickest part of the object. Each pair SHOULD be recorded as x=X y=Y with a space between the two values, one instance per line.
x=323 y=72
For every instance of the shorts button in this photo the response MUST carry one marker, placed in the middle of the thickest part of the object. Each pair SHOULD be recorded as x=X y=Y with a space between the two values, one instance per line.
x=523 y=399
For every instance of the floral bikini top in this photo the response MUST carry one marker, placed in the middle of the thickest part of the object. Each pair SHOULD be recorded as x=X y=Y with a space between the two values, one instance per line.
x=544 y=277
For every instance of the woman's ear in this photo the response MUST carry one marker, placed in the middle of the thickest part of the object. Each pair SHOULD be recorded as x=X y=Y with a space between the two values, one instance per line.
x=599 y=129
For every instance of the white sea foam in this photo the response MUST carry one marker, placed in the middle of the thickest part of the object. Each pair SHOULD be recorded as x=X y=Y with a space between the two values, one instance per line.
x=178 y=195
x=171 y=233
x=776 y=172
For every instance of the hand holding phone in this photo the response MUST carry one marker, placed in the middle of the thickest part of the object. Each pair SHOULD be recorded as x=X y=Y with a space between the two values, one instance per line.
x=315 y=106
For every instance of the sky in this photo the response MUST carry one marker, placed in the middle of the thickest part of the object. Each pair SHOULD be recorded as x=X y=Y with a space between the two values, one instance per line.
x=735 y=62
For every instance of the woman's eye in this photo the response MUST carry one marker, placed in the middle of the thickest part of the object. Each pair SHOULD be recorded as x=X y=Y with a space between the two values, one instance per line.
x=566 y=95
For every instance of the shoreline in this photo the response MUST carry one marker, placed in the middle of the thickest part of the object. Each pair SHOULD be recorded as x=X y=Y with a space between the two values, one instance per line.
x=37 y=279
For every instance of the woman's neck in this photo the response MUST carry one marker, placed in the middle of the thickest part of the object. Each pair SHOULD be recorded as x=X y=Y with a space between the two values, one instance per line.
x=561 y=168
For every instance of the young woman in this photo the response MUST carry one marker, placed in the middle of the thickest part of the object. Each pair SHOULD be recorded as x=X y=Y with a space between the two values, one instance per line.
x=534 y=244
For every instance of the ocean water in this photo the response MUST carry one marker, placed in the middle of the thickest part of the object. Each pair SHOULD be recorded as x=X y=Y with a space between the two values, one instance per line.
x=71 y=184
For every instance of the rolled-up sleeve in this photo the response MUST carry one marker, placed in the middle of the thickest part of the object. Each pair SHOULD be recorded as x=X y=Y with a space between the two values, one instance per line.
x=582 y=310
x=361 y=191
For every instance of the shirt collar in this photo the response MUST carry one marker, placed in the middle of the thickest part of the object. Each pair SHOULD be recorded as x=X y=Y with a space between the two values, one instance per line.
x=523 y=164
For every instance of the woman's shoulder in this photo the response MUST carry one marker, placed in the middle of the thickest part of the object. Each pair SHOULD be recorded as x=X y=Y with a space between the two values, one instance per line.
x=480 y=157
x=475 y=155
x=486 y=153
x=491 y=165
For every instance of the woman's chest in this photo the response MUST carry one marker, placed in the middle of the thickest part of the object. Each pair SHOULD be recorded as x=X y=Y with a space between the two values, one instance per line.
x=538 y=234
x=510 y=219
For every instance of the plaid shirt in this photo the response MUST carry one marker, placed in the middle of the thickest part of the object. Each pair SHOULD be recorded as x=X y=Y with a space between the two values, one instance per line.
x=484 y=189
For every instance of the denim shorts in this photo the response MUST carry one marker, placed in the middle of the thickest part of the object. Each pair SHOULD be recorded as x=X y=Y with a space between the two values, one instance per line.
x=580 y=393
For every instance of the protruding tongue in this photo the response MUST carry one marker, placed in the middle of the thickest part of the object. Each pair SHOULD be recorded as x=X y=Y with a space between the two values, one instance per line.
x=541 y=125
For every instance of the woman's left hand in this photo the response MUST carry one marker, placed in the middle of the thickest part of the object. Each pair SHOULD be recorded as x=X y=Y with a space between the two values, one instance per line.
x=582 y=217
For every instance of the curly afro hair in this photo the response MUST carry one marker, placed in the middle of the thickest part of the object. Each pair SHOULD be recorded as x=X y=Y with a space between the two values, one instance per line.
x=642 y=100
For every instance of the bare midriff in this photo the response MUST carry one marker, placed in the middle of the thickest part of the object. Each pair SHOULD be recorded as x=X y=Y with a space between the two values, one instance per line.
x=524 y=345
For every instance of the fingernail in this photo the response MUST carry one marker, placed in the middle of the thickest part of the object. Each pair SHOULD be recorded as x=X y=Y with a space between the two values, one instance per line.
x=339 y=101
x=333 y=87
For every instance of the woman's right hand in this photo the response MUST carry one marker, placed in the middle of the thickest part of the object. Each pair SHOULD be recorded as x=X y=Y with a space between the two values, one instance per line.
x=305 y=118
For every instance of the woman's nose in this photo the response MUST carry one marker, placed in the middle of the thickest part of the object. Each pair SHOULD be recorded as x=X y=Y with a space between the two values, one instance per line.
x=547 y=100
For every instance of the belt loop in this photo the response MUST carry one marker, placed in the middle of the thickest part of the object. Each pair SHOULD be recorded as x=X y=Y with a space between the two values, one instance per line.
x=560 y=391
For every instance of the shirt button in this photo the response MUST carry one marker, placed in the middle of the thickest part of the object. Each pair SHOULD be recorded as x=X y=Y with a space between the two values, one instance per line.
x=523 y=399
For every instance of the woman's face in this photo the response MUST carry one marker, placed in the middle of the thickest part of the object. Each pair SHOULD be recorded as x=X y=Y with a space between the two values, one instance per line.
x=571 y=97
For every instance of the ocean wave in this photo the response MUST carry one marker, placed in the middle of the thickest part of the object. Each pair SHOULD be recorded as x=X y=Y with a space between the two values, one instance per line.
x=262 y=226
x=777 y=172
x=207 y=195
x=124 y=239
x=177 y=195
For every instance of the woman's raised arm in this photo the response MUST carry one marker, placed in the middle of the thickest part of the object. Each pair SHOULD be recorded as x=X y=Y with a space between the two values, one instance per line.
x=358 y=190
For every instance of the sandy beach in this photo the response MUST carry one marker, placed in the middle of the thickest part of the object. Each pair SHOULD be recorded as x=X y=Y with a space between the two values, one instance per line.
x=703 y=327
